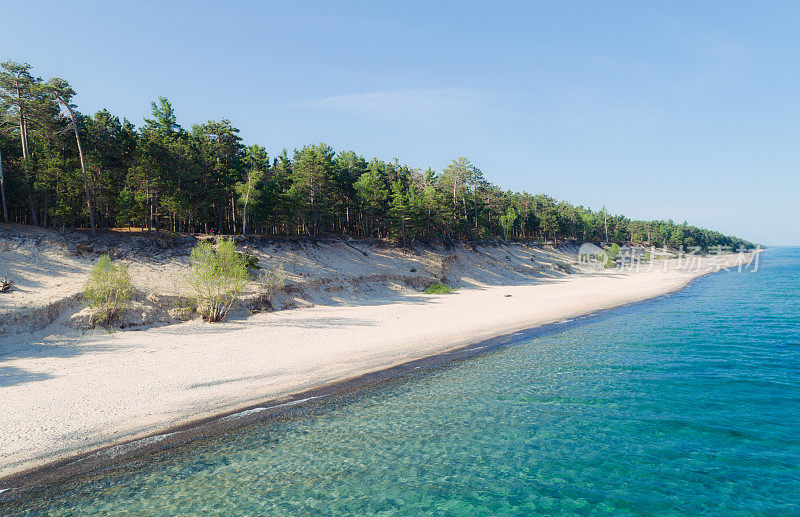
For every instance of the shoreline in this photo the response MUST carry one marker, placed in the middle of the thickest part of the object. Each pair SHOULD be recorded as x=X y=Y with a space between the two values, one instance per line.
x=43 y=471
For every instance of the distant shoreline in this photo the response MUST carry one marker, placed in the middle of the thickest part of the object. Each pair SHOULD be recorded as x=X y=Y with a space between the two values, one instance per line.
x=345 y=347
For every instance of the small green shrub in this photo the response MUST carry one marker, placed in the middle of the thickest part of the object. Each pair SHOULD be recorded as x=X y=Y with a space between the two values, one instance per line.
x=646 y=257
x=438 y=288
x=217 y=278
x=181 y=309
x=108 y=290
x=272 y=282
x=614 y=251
x=181 y=313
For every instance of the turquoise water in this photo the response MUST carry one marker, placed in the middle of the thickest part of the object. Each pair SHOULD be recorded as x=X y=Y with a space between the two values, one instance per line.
x=685 y=405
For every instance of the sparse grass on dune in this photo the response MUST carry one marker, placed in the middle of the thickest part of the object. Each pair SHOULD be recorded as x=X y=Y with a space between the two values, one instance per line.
x=438 y=288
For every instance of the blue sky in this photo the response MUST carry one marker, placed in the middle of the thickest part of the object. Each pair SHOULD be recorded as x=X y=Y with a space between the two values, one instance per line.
x=681 y=110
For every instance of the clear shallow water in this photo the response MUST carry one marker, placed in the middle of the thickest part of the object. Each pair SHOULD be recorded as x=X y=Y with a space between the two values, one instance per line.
x=686 y=405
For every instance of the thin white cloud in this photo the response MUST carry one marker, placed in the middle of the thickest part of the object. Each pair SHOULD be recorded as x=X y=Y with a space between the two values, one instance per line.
x=410 y=105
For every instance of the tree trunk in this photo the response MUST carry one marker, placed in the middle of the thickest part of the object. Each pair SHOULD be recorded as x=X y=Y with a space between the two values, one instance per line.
x=475 y=200
x=3 y=191
x=46 y=207
x=83 y=169
x=149 y=215
x=155 y=213
x=246 y=199
x=32 y=204
x=233 y=215
x=23 y=134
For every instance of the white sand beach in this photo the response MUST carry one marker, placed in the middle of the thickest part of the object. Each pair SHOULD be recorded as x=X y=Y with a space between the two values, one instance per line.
x=64 y=392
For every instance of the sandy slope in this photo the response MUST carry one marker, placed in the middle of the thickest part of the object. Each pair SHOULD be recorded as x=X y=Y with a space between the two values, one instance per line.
x=49 y=268
x=64 y=393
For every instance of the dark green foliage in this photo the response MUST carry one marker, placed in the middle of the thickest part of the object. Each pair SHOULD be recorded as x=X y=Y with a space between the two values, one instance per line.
x=163 y=177
x=250 y=261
